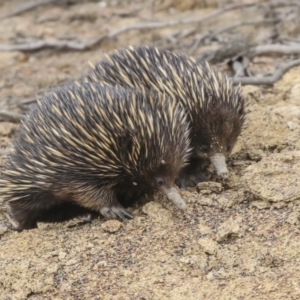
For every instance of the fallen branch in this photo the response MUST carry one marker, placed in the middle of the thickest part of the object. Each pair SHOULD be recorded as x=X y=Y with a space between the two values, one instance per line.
x=10 y=116
x=268 y=80
x=71 y=45
x=228 y=28
x=160 y=25
x=56 y=44
x=26 y=7
x=275 y=48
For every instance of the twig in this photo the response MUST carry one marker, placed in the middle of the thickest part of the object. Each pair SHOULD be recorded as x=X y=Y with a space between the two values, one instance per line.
x=52 y=44
x=13 y=117
x=228 y=28
x=276 y=48
x=71 y=45
x=159 y=25
x=269 y=79
x=26 y=7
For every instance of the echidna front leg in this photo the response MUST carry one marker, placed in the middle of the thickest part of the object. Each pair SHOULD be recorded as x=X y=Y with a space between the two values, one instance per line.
x=103 y=201
x=23 y=214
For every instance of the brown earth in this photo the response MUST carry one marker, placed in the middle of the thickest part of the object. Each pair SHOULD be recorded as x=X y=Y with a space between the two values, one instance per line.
x=239 y=240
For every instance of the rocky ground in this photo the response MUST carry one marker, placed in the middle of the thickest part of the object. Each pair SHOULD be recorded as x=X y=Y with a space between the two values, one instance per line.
x=237 y=240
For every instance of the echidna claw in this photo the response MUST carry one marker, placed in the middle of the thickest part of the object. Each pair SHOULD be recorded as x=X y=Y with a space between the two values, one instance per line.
x=116 y=212
x=182 y=184
x=191 y=180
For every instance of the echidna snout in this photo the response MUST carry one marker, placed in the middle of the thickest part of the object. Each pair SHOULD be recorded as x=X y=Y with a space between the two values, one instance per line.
x=219 y=162
x=174 y=196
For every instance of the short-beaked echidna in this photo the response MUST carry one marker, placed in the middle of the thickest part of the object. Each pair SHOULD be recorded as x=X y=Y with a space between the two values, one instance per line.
x=215 y=107
x=83 y=145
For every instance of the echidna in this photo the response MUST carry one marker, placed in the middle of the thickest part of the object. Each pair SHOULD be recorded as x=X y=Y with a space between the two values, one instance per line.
x=215 y=107
x=86 y=145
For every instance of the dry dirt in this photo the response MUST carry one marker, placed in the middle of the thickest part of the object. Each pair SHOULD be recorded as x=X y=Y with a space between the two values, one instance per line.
x=238 y=240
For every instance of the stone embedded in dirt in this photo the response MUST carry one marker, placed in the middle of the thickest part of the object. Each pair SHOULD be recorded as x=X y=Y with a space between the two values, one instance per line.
x=62 y=255
x=209 y=246
x=205 y=201
x=275 y=178
x=261 y=204
x=72 y=261
x=204 y=229
x=293 y=218
x=292 y=125
x=229 y=229
x=196 y=261
x=214 y=187
x=157 y=213
x=111 y=226
x=255 y=154
x=230 y=198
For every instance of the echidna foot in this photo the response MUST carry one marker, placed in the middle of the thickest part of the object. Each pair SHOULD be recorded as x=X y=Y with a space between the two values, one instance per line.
x=190 y=180
x=116 y=211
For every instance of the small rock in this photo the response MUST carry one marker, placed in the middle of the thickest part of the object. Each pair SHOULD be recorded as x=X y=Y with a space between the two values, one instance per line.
x=62 y=255
x=255 y=155
x=157 y=213
x=102 y=4
x=292 y=125
x=205 y=201
x=111 y=226
x=261 y=204
x=71 y=262
x=198 y=261
x=228 y=229
x=209 y=246
x=279 y=204
x=205 y=192
x=214 y=187
x=293 y=218
x=204 y=229
x=275 y=177
x=210 y=276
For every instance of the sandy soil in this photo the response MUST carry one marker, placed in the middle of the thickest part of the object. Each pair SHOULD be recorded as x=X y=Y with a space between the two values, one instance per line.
x=238 y=240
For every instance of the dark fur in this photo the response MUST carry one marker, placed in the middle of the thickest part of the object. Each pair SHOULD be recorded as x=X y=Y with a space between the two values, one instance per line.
x=216 y=109
x=77 y=153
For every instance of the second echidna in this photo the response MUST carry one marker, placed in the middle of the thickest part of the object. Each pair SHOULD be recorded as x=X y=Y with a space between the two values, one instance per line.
x=215 y=107
x=86 y=145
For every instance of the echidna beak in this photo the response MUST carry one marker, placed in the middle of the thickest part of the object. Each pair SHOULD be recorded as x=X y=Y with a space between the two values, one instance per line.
x=219 y=162
x=174 y=196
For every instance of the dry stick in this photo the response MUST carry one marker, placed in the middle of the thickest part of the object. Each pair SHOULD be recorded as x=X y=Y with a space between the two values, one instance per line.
x=142 y=26
x=13 y=117
x=276 y=48
x=25 y=8
x=228 y=28
x=51 y=44
x=269 y=79
x=159 y=25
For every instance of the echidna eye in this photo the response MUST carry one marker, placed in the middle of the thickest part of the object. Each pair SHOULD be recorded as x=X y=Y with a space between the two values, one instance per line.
x=228 y=148
x=160 y=181
x=204 y=148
